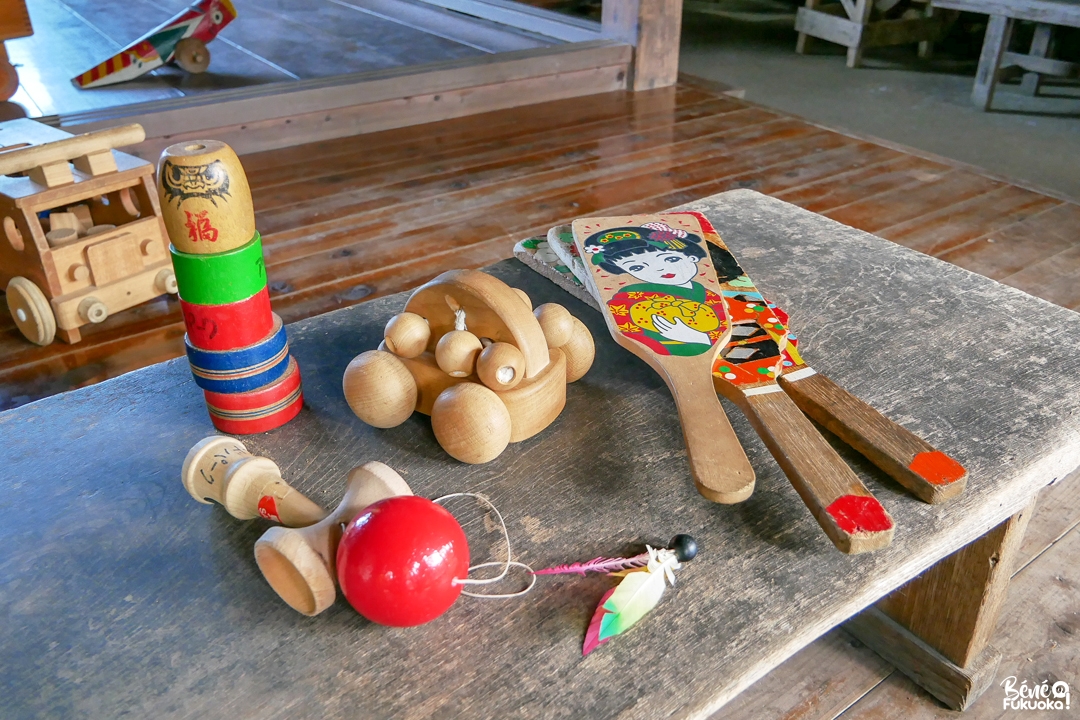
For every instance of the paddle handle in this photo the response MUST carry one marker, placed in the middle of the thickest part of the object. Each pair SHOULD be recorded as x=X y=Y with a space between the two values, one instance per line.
x=718 y=463
x=928 y=473
x=852 y=517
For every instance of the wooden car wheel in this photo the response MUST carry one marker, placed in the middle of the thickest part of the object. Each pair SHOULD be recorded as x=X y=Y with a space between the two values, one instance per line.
x=31 y=312
x=192 y=55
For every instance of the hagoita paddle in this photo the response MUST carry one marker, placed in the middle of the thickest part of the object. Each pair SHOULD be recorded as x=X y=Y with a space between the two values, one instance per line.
x=661 y=301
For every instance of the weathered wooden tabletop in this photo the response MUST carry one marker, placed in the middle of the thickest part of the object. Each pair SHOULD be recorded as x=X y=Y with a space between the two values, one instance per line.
x=121 y=597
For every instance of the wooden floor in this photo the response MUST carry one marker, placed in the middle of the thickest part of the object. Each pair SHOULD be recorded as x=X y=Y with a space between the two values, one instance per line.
x=270 y=41
x=347 y=220
x=355 y=218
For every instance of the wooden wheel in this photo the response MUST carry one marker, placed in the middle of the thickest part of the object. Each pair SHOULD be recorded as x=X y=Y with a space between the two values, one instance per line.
x=31 y=312
x=192 y=55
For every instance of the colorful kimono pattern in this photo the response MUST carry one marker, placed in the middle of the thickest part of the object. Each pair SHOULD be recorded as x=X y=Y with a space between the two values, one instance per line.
x=698 y=307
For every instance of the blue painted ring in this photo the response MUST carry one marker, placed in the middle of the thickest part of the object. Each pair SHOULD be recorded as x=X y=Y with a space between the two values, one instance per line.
x=243 y=369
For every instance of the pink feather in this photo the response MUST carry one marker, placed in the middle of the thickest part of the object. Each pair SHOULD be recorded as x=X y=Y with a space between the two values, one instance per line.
x=600 y=564
x=592 y=635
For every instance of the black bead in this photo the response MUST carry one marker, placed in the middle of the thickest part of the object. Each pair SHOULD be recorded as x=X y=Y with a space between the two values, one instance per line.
x=685 y=547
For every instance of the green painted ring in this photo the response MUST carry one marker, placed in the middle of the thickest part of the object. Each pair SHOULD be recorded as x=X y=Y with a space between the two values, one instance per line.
x=220 y=278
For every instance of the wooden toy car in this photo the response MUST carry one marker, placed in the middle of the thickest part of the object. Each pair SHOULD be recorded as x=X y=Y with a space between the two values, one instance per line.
x=78 y=244
x=468 y=352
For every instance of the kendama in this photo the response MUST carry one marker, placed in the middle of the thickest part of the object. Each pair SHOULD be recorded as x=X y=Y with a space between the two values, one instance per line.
x=471 y=352
x=299 y=558
x=237 y=347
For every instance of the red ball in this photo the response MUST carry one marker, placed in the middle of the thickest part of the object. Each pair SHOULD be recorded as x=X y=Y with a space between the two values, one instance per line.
x=397 y=561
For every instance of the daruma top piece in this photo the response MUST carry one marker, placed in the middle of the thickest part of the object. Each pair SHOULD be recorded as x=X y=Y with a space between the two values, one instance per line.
x=205 y=197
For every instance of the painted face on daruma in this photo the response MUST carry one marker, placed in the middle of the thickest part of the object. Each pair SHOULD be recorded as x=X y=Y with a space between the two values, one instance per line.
x=661 y=267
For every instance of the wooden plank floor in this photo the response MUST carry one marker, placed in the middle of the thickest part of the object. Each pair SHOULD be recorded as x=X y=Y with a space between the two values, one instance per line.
x=355 y=218
x=269 y=41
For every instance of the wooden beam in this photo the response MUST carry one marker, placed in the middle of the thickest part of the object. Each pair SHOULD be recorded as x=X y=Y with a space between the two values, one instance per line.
x=1040 y=65
x=995 y=42
x=653 y=27
x=953 y=607
x=902 y=32
x=524 y=17
x=303 y=128
x=953 y=685
x=306 y=112
x=1053 y=12
x=828 y=27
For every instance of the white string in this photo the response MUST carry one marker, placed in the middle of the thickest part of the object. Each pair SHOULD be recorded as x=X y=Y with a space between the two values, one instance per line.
x=506 y=565
x=459 y=324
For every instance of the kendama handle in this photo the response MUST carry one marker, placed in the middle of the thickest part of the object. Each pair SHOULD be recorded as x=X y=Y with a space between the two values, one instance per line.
x=256 y=490
x=848 y=513
x=718 y=463
x=220 y=469
x=925 y=471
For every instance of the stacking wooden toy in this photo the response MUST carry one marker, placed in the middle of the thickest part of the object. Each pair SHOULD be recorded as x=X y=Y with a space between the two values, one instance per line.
x=237 y=347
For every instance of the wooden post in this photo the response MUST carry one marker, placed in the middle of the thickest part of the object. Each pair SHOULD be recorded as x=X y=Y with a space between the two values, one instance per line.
x=995 y=43
x=653 y=28
x=1041 y=45
x=861 y=16
x=926 y=47
x=936 y=628
x=801 y=45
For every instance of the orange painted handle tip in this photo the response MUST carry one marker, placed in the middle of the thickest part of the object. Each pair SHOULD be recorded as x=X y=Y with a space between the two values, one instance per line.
x=937 y=468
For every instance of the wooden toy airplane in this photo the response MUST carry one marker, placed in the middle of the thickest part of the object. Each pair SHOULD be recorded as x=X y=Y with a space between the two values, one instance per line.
x=182 y=38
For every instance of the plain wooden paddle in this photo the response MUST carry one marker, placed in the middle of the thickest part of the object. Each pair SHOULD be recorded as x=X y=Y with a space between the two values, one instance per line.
x=925 y=471
x=661 y=301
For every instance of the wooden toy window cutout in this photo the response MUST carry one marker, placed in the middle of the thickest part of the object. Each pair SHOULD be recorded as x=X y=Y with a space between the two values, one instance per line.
x=14 y=235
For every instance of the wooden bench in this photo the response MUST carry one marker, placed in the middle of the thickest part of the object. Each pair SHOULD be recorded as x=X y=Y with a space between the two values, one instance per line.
x=852 y=23
x=121 y=595
x=996 y=56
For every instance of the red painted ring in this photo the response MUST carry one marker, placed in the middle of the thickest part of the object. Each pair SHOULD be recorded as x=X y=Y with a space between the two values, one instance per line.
x=261 y=424
x=259 y=410
x=260 y=400
x=230 y=326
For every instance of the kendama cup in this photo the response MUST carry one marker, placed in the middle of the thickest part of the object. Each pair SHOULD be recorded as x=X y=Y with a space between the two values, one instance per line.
x=220 y=470
x=300 y=564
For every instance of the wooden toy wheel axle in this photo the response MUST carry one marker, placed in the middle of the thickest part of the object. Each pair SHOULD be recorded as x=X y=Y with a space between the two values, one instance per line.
x=192 y=55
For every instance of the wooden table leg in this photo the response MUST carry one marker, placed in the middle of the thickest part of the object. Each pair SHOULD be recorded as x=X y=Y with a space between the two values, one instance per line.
x=1040 y=47
x=995 y=43
x=926 y=47
x=936 y=628
x=801 y=45
x=861 y=17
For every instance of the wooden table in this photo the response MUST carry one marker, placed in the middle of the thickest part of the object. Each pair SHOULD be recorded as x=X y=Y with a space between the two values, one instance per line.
x=996 y=56
x=120 y=595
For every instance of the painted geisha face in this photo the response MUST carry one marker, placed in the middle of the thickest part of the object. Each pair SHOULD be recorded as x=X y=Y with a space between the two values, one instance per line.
x=661 y=267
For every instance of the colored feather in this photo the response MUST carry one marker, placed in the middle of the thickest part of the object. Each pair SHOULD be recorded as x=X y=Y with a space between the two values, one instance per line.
x=632 y=599
x=600 y=564
x=636 y=595
x=592 y=635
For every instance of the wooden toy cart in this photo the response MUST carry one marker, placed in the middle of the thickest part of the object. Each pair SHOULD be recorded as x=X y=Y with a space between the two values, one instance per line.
x=78 y=243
